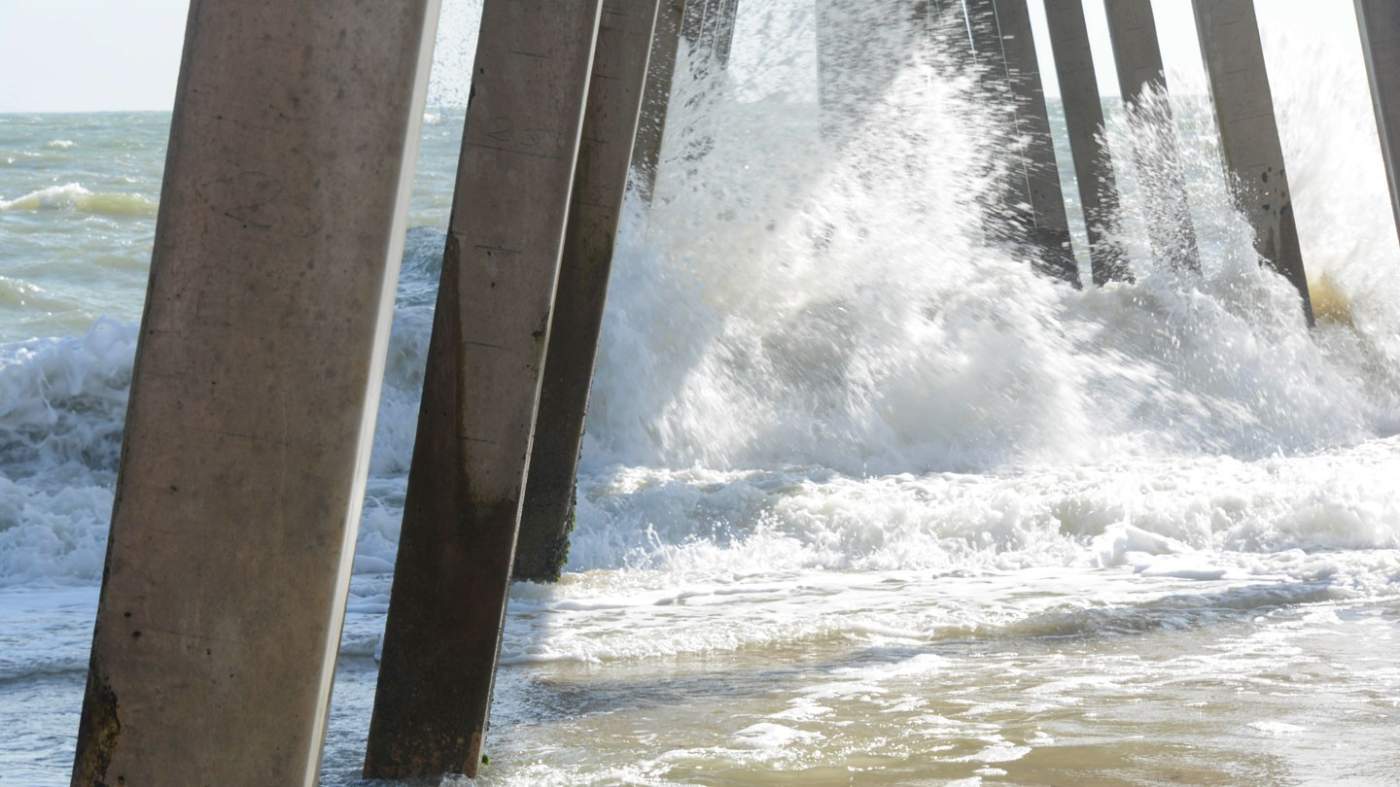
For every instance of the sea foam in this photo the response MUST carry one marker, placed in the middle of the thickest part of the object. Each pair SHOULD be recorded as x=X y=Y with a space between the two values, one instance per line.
x=74 y=197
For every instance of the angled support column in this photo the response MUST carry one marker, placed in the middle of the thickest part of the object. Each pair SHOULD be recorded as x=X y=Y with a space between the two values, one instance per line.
x=1249 y=139
x=1137 y=53
x=693 y=20
x=1380 y=40
x=609 y=127
x=656 y=98
x=718 y=32
x=1005 y=47
x=485 y=360
x=1079 y=92
x=707 y=27
x=254 y=392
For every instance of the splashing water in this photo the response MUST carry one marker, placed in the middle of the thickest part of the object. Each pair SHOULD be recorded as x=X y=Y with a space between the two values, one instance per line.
x=862 y=495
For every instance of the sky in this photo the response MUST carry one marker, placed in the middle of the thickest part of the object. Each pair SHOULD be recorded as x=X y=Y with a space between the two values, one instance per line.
x=89 y=55
x=92 y=55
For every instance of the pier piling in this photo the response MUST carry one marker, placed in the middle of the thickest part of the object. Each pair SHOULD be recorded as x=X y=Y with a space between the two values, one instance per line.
x=1249 y=138
x=254 y=392
x=485 y=362
x=1031 y=210
x=1379 y=21
x=707 y=27
x=1079 y=93
x=600 y=181
x=710 y=30
x=1137 y=53
x=656 y=97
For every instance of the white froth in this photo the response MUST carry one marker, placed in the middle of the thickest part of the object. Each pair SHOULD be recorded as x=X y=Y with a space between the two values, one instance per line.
x=831 y=422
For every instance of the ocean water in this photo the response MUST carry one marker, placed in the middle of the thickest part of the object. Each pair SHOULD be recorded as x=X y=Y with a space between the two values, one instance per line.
x=863 y=499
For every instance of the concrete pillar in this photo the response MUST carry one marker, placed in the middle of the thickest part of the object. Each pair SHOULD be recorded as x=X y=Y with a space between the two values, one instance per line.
x=254 y=392
x=1137 y=54
x=485 y=359
x=1132 y=30
x=707 y=27
x=729 y=12
x=1249 y=140
x=1079 y=92
x=656 y=99
x=1032 y=210
x=609 y=127
x=1380 y=40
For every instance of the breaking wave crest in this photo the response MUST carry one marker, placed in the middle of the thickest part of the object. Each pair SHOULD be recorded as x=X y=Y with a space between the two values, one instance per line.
x=77 y=199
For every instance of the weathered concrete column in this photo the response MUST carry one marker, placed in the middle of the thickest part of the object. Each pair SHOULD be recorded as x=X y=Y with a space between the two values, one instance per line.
x=609 y=127
x=707 y=27
x=1380 y=40
x=1079 y=92
x=485 y=360
x=656 y=98
x=1132 y=29
x=1032 y=210
x=1249 y=140
x=1137 y=53
x=254 y=392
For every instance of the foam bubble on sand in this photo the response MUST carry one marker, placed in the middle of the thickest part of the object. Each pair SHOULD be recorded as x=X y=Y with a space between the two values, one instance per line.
x=1000 y=751
x=1198 y=568
x=767 y=735
x=1120 y=543
x=802 y=709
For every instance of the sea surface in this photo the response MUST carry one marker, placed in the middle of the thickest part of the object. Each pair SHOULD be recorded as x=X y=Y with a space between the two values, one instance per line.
x=863 y=500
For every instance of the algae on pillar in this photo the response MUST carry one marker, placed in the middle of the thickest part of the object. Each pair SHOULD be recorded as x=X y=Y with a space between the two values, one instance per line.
x=1379 y=21
x=1032 y=206
x=254 y=392
x=1079 y=93
x=1132 y=29
x=485 y=362
x=1249 y=139
x=605 y=155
